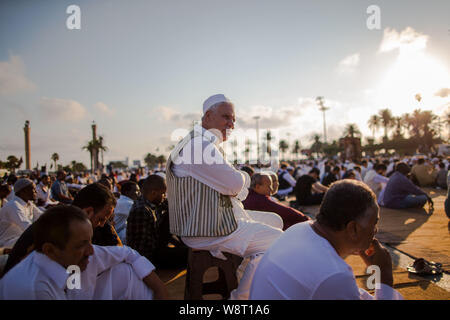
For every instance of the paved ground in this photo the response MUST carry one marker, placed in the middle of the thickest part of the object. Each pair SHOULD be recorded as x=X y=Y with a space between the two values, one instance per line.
x=408 y=234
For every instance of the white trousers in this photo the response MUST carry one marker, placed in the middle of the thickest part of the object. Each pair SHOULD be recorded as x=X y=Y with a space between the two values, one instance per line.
x=285 y=192
x=121 y=283
x=250 y=240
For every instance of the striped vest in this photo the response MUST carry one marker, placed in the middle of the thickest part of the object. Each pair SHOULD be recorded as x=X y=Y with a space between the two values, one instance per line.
x=195 y=209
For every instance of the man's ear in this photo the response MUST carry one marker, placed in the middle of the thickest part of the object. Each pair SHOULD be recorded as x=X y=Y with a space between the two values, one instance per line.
x=352 y=230
x=89 y=212
x=49 y=249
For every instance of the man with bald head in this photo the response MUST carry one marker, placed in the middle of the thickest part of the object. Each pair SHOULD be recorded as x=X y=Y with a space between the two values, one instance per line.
x=259 y=199
x=205 y=192
x=19 y=213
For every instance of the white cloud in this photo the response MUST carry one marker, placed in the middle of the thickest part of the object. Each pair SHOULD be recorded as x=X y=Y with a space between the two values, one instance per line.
x=270 y=118
x=105 y=109
x=443 y=93
x=171 y=115
x=68 y=110
x=349 y=63
x=408 y=39
x=12 y=77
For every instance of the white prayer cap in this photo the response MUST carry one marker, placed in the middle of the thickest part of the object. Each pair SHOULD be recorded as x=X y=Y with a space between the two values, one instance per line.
x=161 y=174
x=217 y=98
x=21 y=184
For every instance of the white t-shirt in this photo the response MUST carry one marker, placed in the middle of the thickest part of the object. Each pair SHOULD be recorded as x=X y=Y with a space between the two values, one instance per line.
x=301 y=265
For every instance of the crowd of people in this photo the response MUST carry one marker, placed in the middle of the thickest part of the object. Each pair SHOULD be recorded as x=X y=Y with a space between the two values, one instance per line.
x=397 y=182
x=117 y=229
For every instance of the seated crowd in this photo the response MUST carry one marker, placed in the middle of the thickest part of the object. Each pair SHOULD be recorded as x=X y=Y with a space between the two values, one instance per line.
x=117 y=231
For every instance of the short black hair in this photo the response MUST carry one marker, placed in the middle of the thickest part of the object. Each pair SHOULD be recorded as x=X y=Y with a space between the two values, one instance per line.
x=345 y=201
x=380 y=166
x=53 y=226
x=402 y=168
x=94 y=195
x=315 y=170
x=421 y=161
x=336 y=169
x=5 y=188
x=127 y=187
x=154 y=182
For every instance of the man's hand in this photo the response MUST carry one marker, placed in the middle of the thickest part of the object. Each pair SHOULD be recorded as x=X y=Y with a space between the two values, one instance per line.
x=155 y=284
x=379 y=256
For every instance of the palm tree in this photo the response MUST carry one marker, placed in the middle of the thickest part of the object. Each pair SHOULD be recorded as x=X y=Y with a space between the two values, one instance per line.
x=420 y=126
x=234 y=144
x=398 y=124
x=151 y=160
x=374 y=124
x=90 y=147
x=268 y=141
x=296 y=149
x=248 y=146
x=12 y=163
x=352 y=130
x=386 y=120
x=100 y=147
x=55 y=158
x=317 y=145
x=283 y=147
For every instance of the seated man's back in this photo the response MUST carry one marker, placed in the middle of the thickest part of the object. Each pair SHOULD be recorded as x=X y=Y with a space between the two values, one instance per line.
x=307 y=261
x=282 y=275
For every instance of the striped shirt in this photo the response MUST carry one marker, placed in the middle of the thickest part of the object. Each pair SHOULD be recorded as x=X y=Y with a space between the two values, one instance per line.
x=199 y=204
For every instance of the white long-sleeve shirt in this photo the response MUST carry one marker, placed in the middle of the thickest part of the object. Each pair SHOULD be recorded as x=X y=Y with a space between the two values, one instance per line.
x=375 y=181
x=121 y=213
x=206 y=164
x=43 y=192
x=301 y=265
x=15 y=217
x=37 y=277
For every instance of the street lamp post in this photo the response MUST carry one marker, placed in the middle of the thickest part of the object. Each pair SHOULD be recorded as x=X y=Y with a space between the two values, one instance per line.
x=323 y=109
x=257 y=136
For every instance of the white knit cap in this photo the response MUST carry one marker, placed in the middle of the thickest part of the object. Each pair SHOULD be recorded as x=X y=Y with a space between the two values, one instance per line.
x=21 y=184
x=217 y=98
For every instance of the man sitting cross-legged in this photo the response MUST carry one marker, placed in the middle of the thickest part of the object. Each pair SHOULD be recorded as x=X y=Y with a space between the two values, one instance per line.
x=307 y=261
x=258 y=199
x=62 y=238
x=401 y=193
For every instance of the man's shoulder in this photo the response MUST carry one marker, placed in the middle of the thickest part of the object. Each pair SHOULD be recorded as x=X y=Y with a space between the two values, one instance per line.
x=140 y=205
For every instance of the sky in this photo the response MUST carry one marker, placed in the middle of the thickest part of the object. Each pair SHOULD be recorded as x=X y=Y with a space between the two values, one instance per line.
x=142 y=69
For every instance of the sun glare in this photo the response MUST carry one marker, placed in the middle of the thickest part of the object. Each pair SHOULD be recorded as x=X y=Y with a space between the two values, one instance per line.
x=414 y=72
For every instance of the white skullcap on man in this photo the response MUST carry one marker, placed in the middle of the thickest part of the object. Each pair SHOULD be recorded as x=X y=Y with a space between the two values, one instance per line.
x=215 y=99
x=22 y=184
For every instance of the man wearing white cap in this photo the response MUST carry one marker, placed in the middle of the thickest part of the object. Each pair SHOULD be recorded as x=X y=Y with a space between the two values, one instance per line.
x=205 y=193
x=18 y=214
